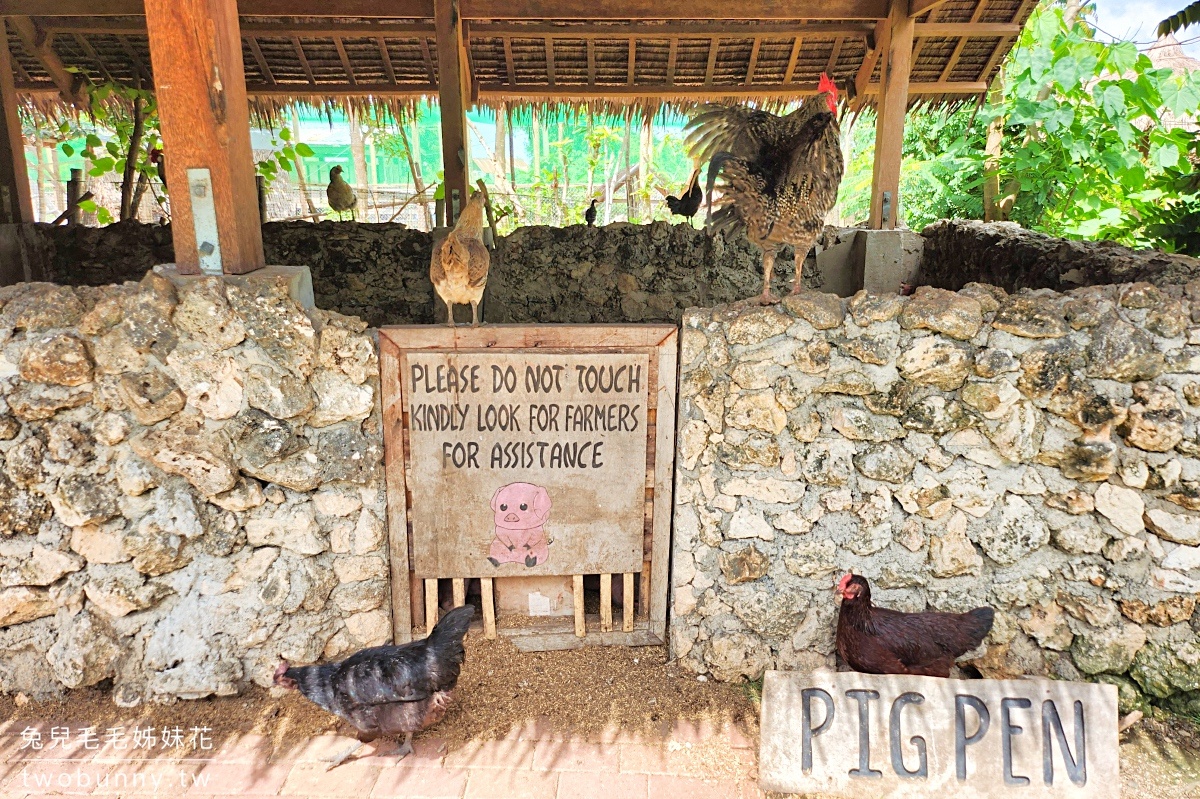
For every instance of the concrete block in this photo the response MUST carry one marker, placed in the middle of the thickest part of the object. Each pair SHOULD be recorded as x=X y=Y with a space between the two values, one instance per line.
x=299 y=278
x=889 y=258
x=865 y=736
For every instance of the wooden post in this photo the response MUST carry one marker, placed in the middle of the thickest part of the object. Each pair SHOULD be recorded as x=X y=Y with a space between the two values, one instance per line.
x=74 y=195
x=16 y=202
x=260 y=186
x=487 y=595
x=577 y=598
x=453 y=98
x=196 y=52
x=889 y=127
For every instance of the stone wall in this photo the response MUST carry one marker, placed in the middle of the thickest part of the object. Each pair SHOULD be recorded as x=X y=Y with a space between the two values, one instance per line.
x=380 y=273
x=1005 y=254
x=1037 y=452
x=191 y=487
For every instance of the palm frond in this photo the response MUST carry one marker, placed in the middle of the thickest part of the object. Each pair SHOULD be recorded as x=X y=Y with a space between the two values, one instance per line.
x=1190 y=15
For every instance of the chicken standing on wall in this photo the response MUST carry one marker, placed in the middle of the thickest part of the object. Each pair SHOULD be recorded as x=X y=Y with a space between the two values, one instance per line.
x=781 y=174
x=884 y=641
x=388 y=690
x=689 y=203
x=156 y=158
x=341 y=197
x=459 y=268
x=589 y=215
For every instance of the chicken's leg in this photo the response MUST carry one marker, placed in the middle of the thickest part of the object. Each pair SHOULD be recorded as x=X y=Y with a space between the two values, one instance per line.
x=449 y=313
x=334 y=761
x=406 y=748
x=475 y=322
x=767 y=298
x=802 y=250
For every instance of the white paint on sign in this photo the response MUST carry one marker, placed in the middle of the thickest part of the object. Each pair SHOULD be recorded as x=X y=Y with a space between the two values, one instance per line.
x=867 y=736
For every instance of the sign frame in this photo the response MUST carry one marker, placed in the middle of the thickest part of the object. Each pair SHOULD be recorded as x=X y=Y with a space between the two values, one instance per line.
x=411 y=599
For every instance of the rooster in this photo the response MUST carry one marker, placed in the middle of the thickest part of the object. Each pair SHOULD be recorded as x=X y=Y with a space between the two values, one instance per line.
x=689 y=203
x=341 y=197
x=589 y=215
x=156 y=158
x=781 y=173
x=387 y=690
x=883 y=641
x=459 y=268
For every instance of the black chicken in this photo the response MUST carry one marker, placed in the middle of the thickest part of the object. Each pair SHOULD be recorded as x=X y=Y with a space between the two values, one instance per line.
x=589 y=215
x=156 y=158
x=687 y=205
x=781 y=173
x=388 y=690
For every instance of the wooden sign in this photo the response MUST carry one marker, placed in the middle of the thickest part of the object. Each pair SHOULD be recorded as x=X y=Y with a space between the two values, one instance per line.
x=527 y=454
x=864 y=736
x=526 y=463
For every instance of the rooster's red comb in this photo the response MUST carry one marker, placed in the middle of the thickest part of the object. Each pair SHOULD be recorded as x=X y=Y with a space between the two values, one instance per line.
x=827 y=85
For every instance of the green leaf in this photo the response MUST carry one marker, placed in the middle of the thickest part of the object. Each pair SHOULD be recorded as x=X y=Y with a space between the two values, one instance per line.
x=1164 y=156
x=88 y=206
x=304 y=151
x=285 y=134
x=113 y=149
x=1112 y=100
x=93 y=140
x=68 y=150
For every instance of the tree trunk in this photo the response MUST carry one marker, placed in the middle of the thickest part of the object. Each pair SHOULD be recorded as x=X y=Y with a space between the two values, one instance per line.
x=512 y=154
x=143 y=183
x=358 y=154
x=60 y=187
x=645 y=166
x=43 y=211
x=501 y=141
x=128 y=211
x=566 y=167
x=414 y=168
x=299 y=163
x=992 y=150
x=626 y=145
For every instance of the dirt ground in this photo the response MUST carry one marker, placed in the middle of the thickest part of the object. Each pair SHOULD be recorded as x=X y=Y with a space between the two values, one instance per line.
x=582 y=693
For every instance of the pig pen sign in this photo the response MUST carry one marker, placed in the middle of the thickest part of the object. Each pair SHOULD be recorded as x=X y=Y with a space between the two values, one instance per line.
x=525 y=461
x=866 y=736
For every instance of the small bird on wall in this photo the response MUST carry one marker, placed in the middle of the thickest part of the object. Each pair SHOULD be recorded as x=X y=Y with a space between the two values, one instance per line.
x=589 y=215
x=339 y=193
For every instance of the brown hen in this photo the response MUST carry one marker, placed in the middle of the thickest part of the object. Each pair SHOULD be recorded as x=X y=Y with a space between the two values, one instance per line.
x=884 y=641
x=781 y=174
x=459 y=268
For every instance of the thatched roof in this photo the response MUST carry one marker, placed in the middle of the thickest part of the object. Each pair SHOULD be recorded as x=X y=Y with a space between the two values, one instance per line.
x=610 y=65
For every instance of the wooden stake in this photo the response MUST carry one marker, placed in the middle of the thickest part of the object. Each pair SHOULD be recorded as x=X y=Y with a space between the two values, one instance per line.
x=431 y=604
x=16 y=201
x=452 y=97
x=459 y=585
x=580 y=624
x=889 y=128
x=627 y=604
x=606 y=603
x=489 y=607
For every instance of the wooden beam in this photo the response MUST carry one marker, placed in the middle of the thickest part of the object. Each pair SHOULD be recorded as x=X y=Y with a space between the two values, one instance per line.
x=835 y=54
x=196 y=50
x=388 y=69
x=793 y=59
x=591 y=62
x=714 y=47
x=548 y=43
x=397 y=9
x=36 y=44
x=730 y=29
x=867 y=68
x=303 y=60
x=343 y=89
x=16 y=201
x=137 y=61
x=753 y=65
x=952 y=61
x=655 y=9
x=90 y=52
x=452 y=93
x=428 y=58
x=919 y=7
x=672 y=57
x=283 y=29
x=341 y=48
x=631 y=63
x=508 y=62
x=972 y=29
x=256 y=51
x=644 y=90
x=889 y=128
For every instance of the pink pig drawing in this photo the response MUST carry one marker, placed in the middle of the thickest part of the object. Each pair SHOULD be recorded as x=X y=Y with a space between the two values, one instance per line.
x=521 y=510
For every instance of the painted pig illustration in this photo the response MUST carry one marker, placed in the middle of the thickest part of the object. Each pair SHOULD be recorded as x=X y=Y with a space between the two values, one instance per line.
x=521 y=510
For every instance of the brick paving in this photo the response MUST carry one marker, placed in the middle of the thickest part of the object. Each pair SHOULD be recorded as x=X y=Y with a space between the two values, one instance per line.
x=687 y=761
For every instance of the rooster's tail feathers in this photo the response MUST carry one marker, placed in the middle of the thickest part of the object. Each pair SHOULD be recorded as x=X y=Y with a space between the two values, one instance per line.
x=714 y=167
x=449 y=631
x=982 y=620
